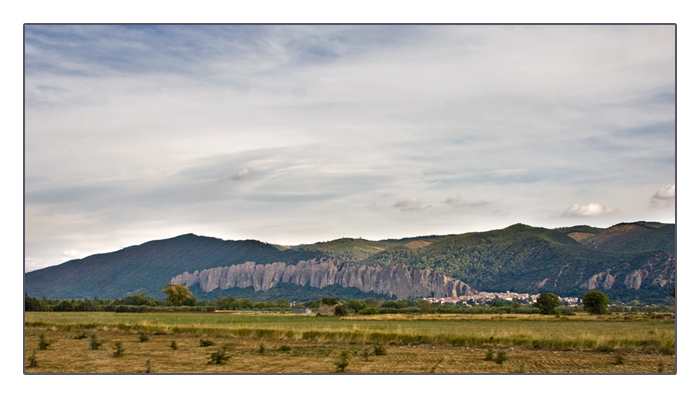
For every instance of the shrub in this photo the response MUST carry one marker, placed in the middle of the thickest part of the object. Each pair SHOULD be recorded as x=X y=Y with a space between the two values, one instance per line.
x=219 y=357
x=118 y=349
x=340 y=310
x=261 y=349
x=379 y=350
x=619 y=358
x=148 y=366
x=285 y=348
x=669 y=348
x=32 y=360
x=365 y=354
x=489 y=355
x=500 y=357
x=369 y=311
x=205 y=343
x=568 y=311
x=81 y=335
x=173 y=345
x=343 y=362
x=43 y=344
x=143 y=337
x=330 y=301
x=94 y=344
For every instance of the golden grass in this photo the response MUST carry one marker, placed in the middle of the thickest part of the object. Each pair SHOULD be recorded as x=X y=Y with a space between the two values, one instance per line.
x=67 y=354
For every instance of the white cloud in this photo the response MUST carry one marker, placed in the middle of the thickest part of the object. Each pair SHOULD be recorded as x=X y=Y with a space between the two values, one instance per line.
x=452 y=199
x=409 y=204
x=242 y=175
x=590 y=210
x=72 y=253
x=312 y=124
x=32 y=263
x=665 y=197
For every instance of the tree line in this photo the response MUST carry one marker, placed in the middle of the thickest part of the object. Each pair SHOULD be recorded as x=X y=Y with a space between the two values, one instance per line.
x=180 y=299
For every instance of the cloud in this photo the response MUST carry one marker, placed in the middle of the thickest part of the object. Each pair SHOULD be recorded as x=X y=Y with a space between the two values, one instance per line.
x=241 y=175
x=409 y=204
x=329 y=119
x=590 y=210
x=665 y=197
x=70 y=253
x=32 y=263
x=452 y=199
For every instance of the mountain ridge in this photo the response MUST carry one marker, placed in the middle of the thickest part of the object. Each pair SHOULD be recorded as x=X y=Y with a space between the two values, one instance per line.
x=625 y=260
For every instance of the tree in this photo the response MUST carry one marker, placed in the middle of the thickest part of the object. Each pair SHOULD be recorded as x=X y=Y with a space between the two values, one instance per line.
x=178 y=295
x=596 y=302
x=425 y=307
x=547 y=303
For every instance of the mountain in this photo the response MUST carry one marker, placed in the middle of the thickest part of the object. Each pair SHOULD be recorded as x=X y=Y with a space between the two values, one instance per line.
x=147 y=268
x=626 y=261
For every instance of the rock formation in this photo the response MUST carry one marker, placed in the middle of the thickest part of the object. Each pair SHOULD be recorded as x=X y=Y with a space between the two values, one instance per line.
x=399 y=280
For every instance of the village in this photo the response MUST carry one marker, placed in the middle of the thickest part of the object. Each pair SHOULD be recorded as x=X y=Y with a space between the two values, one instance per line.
x=482 y=298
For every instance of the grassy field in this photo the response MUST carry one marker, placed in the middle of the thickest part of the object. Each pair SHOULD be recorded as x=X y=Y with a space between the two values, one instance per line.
x=277 y=343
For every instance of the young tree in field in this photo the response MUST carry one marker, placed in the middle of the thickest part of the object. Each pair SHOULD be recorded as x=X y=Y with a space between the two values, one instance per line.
x=547 y=303
x=596 y=302
x=178 y=295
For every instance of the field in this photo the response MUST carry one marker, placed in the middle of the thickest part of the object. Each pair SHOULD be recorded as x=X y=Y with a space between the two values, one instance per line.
x=285 y=343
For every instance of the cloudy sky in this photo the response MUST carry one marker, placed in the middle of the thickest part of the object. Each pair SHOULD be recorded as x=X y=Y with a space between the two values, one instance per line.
x=302 y=133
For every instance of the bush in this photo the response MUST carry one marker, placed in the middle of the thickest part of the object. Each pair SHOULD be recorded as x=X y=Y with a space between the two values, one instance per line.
x=94 y=344
x=379 y=350
x=173 y=345
x=43 y=344
x=489 y=355
x=219 y=357
x=118 y=349
x=568 y=311
x=340 y=310
x=261 y=349
x=619 y=358
x=330 y=301
x=285 y=348
x=500 y=357
x=32 y=360
x=343 y=362
x=369 y=311
x=365 y=354
x=205 y=343
x=143 y=337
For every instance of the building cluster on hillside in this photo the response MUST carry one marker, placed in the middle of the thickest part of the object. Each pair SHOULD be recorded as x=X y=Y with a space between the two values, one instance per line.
x=481 y=298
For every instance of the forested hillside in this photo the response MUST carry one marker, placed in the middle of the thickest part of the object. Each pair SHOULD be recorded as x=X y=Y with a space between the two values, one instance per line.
x=627 y=261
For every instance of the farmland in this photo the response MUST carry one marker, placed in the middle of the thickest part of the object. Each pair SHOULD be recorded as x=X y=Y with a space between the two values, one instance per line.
x=285 y=343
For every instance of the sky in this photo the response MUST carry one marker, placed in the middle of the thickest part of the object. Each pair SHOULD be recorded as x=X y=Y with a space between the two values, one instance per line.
x=295 y=134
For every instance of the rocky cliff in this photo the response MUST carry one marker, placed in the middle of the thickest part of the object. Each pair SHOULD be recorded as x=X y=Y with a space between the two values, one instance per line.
x=399 y=280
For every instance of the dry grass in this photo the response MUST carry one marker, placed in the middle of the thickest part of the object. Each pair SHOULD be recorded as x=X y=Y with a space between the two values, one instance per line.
x=414 y=344
x=69 y=355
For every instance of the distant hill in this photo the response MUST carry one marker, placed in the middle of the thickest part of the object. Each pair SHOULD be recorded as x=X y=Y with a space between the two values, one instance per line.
x=147 y=268
x=634 y=237
x=627 y=261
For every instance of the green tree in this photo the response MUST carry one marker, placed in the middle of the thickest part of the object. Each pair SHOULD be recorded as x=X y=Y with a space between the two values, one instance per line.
x=547 y=303
x=425 y=307
x=596 y=302
x=178 y=295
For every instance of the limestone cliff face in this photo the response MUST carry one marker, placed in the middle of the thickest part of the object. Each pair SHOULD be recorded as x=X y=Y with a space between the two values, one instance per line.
x=657 y=271
x=399 y=280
